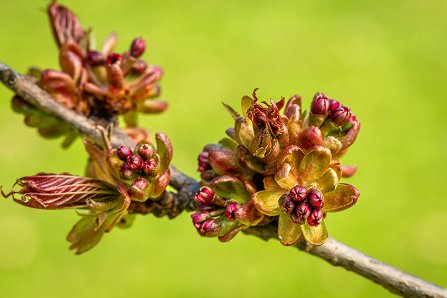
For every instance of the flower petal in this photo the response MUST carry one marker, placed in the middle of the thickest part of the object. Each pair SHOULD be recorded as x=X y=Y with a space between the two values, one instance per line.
x=343 y=197
x=288 y=231
x=314 y=164
x=328 y=182
x=266 y=201
x=315 y=235
x=230 y=187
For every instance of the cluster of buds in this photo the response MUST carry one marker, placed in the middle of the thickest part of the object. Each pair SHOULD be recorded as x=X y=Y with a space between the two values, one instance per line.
x=115 y=179
x=303 y=205
x=284 y=164
x=100 y=84
x=222 y=218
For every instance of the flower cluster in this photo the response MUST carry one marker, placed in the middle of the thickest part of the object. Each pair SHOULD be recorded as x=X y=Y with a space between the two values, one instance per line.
x=116 y=178
x=278 y=166
x=100 y=84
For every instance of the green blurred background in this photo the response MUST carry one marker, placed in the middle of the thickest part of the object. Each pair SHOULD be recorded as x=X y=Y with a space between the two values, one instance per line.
x=384 y=59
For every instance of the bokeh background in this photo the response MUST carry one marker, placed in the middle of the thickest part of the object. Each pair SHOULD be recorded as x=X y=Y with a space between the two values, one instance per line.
x=384 y=59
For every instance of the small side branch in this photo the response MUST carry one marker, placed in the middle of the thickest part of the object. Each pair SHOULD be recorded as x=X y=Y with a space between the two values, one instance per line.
x=172 y=204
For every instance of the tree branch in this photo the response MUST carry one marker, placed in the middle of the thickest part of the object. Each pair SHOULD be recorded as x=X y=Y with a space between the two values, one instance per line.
x=172 y=204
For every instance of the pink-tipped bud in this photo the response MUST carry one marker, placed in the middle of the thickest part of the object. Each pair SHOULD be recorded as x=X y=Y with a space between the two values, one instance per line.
x=315 y=198
x=288 y=204
x=198 y=218
x=150 y=166
x=135 y=163
x=320 y=104
x=301 y=213
x=113 y=58
x=205 y=195
x=146 y=151
x=230 y=210
x=209 y=227
x=95 y=58
x=298 y=193
x=137 y=47
x=124 y=153
x=341 y=115
x=126 y=172
x=333 y=105
x=315 y=218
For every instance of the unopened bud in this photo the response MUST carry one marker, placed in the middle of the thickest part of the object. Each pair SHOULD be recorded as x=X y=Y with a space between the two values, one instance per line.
x=95 y=58
x=315 y=217
x=315 y=198
x=333 y=105
x=230 y=210
x=149 y=166
x=302 y=212
x=206 y=208
x=126 y=172
x=288 y=204
x=138 y=189
x=135 y=163
x=341 y=115
x=145 y=151
x=138 y=47
x=298 y=193
x=199 y=217
x=320 y=104
x=124 y=153
x=202 y=160
x=209 y=228
x=205 y=195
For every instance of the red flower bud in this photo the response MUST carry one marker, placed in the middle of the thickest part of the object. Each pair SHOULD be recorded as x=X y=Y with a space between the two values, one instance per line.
x=138 y=189
x=288 y=205
x=209 y=228
x=315 y=198
x=298 y=193
x=199 y=217
x=302 y=212
x=126 y=172
x=315 y=217
x=124 y=153
x=139 y=66
x=150 y=166
x=333 y=105
x=206 y=208
x=341 y=115
x=146 y=151
x=113 y=58
x=320 y=104
x=135 y=163
x=138 y=47
x=205 y=195
x=230 y=210
x=203 y=162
